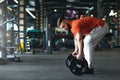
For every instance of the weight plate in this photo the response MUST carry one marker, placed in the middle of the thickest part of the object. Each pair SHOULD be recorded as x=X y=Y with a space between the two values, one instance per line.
x=68 y=60
x=78 y=67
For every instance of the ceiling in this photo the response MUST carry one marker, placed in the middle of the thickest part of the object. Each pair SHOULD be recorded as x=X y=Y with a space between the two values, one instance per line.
x=82 y=5
x=63 y=4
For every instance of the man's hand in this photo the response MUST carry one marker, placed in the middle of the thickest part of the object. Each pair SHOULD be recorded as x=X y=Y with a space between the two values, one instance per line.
x=74 y=53
x=79 y=56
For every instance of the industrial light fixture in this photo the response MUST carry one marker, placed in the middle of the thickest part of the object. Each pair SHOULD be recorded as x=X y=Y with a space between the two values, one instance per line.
x=16 y=1
x=27 y=10
x=30 y=13
x=1 y=1
x=55 y=10
x=73 y=0
x=112 y=13
x=9 y=8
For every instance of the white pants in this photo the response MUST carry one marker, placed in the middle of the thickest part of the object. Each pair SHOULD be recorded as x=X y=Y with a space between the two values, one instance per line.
x=91 y=40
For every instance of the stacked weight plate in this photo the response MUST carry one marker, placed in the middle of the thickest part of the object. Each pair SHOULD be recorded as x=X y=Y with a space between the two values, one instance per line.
x=77 y=67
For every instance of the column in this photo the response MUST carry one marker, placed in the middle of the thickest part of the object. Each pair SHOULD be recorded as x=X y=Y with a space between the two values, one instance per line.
x=41 y=16
x=100 y=8
x=3 y=18
x=118 y=15
x=37 y=14
x=21 y=22
x=48 y=36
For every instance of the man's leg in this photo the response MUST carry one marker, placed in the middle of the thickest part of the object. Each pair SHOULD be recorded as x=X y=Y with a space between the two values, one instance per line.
x=90 y=42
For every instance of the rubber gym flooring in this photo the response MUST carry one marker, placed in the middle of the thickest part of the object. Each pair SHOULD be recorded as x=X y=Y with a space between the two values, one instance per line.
x=52 y=67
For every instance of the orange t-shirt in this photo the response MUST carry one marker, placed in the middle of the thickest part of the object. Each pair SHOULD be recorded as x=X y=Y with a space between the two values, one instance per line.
x=85 y=25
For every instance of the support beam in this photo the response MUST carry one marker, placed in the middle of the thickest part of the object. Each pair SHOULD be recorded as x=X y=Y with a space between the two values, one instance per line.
x=100 y=8
x=37 y=14
x=48 y=37
x=41 y=16
x=3 y=18
x=118 y=15
x=21 y=22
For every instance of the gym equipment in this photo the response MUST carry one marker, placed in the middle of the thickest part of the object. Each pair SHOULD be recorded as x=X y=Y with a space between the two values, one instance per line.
x=33 y=40
x=77 y=67
x=68 y=60
x=9 y=35
x=2 y=30
x=12 y=39
x=15 y=59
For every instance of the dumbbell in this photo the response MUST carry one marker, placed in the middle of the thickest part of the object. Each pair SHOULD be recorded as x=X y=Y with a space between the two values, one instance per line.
x=68 y=60
x=77 y=67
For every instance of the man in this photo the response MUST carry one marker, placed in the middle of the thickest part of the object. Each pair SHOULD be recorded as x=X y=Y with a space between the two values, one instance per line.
x=92 y=29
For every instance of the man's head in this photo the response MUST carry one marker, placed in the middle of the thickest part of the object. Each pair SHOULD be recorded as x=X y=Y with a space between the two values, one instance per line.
x=63 y=23
x=59 y=21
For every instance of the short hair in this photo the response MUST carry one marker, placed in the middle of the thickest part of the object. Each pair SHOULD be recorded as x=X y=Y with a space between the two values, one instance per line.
x=59 y=21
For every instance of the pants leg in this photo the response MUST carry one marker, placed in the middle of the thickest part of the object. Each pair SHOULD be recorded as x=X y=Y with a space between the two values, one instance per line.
x=91 y=40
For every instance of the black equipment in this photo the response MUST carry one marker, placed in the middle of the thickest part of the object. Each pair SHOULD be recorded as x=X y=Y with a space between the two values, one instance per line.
x=77 y=67
x=68 y=60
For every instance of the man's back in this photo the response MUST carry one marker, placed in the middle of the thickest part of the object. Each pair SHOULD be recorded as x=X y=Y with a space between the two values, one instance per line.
x=85 y=25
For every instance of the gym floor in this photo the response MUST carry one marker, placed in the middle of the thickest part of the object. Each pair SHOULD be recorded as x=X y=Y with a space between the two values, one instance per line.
x=52 y=67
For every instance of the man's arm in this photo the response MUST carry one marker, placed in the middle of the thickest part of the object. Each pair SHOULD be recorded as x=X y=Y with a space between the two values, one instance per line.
x=76 y=47
x=80 y=44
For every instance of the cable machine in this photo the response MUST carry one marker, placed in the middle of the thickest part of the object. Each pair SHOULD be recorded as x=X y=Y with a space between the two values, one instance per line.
x=2 y=31
x=7 y=37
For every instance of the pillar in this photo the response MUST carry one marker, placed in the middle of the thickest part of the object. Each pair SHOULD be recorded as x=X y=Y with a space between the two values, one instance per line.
x=48 y=36
x=41 y=16
x=21 y=22
x=37 y=14
x=3 y=18
x=118 y=19
x=100 y=8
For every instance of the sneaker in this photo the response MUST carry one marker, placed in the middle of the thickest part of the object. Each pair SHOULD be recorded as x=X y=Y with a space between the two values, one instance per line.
x=90 y=71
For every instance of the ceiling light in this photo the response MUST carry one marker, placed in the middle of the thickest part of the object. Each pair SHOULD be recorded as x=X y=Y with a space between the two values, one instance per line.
x=112 y=13
x=9 y=8
x=1 y=1
x=30 y=13
x=16 y=1
x=55 y=10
